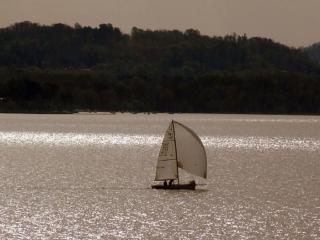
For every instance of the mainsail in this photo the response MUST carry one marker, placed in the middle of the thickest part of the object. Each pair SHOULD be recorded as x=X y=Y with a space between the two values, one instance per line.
x=182 y=148
x=167 y=167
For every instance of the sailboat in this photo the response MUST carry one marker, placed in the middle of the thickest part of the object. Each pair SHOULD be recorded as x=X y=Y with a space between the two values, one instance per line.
x=181 y=148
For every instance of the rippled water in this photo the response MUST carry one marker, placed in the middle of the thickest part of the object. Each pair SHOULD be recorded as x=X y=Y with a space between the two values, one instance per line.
x=89 y=176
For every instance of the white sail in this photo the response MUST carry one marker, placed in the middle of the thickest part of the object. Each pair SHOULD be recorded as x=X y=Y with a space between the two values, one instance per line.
x=191 y=154
x=167 y=161
x=181 y=147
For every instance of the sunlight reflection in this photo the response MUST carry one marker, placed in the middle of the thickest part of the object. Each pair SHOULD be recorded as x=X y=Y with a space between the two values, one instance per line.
x=69 y=139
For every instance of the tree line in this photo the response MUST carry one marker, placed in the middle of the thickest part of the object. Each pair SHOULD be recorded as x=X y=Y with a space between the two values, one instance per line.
x=313 y=52
x=62 y=68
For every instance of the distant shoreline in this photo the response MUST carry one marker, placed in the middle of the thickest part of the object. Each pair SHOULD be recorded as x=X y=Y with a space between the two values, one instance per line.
x=154 y=113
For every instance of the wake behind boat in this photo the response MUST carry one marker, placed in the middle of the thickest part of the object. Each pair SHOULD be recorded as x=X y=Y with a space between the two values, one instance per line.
x=181 y=148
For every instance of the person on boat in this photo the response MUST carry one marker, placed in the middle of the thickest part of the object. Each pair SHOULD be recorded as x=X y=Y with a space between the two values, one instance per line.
x=170 y=182
x=165 y=183
x=193 y=183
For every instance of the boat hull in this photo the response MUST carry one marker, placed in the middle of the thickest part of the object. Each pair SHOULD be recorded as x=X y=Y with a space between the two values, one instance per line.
x=188 y=186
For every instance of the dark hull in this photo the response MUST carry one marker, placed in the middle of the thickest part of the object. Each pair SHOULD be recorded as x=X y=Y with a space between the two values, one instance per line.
x=188 y=186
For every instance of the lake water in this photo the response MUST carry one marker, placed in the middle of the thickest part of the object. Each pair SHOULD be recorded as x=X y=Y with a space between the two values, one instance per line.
x=86 y=176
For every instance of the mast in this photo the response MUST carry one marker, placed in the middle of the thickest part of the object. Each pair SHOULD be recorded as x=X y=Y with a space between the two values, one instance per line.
x=175 y=145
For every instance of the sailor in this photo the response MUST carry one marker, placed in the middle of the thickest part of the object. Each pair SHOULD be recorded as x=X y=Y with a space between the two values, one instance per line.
x=165 y=183
x=193 y=183
x=170 y=182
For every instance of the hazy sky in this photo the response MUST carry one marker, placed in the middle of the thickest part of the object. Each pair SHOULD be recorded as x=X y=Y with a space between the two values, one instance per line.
x=293 y=22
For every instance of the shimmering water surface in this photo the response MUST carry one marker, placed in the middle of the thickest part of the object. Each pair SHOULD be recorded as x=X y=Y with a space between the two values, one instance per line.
x=87 y=176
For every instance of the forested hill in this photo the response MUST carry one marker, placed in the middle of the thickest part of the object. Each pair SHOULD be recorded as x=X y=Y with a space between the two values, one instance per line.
x=314 y=52
x=62 y=46
x=58 y=67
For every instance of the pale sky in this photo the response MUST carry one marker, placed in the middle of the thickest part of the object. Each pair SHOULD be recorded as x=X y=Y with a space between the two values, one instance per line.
x=292 y=22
